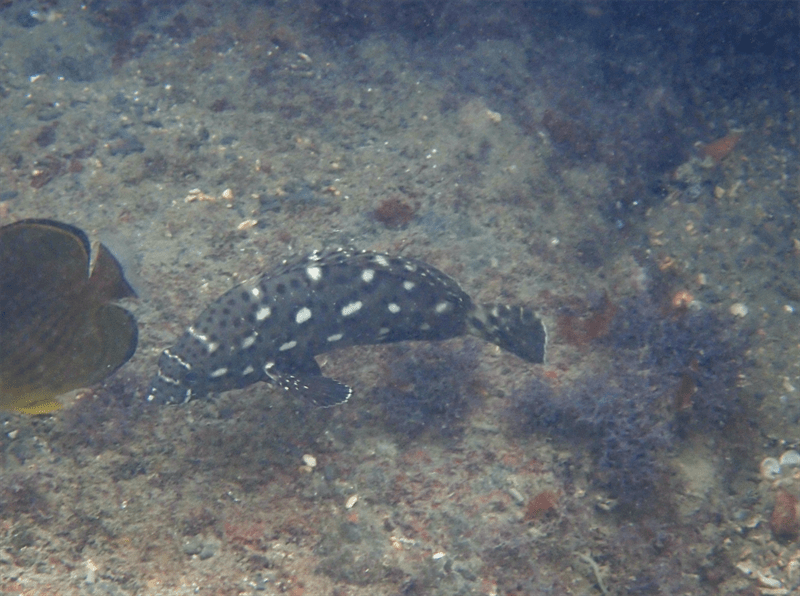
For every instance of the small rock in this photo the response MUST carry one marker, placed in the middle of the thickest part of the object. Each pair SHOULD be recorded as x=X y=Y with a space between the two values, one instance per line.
x=739 y=310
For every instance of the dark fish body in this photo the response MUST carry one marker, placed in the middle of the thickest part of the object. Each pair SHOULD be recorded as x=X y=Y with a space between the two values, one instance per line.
x=270 y=327
x=58 y=328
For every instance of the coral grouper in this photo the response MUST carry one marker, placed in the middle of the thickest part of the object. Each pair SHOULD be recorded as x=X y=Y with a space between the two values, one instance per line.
x=271 y=327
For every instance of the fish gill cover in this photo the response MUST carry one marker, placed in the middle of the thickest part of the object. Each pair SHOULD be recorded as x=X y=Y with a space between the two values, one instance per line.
x=58 y=331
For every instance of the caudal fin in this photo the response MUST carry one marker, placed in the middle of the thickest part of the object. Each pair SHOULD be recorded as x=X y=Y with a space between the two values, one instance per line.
x=513 y=328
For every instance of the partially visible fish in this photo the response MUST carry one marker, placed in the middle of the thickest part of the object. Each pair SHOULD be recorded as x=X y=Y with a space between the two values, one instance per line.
x=271 y=327
x=58 y=331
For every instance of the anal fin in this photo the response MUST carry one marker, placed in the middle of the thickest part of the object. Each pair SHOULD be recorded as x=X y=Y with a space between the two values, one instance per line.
x=320 y=391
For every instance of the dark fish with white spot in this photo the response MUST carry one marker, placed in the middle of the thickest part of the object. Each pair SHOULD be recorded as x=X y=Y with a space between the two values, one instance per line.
x=271 y=327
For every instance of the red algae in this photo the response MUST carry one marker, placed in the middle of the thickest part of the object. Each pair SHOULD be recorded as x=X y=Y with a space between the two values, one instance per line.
x=722 y=147
x=541 y=505
x=785 y=519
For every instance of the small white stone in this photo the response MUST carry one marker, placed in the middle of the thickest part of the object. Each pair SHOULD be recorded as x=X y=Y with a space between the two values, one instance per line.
x=790 y=459
x=739 y=310
x=351 y=501
x=91 y=571
x=768 y=582
x=309 y=460
x=494 y=117
x=770 y=468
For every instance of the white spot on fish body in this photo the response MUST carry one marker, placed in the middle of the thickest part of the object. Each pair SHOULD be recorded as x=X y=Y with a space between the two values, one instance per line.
x=367 y=275
x=212 y=347
x=352 y=308
x=303 y=315
x=442 y=307
x=410 y=267
x=381 y=260
x=249 y=341
x=335 y=337
x=255 y=292
x=197 y=336
x=167 y=379
x=219 y=373
x=248 y=370
x=425 y=327
x=287 y=346
x=178 y=359
x=383 y=330
x=263 y=313
x=267 y=367
x=393 y=308
x=409 y=285
x=314 y=273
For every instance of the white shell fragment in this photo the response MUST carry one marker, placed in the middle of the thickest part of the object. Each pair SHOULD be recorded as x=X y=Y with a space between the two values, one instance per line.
x=790 y=459
x=770 y=468
x=351 y=501
x=739 y=310
x=309 y=460
x=768 y=582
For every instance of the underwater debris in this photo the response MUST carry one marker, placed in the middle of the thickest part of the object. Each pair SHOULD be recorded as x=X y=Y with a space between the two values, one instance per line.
x=669 y=375
x=58 y=331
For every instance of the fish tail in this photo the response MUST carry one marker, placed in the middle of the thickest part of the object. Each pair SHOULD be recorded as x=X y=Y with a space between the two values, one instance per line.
x=516 y=329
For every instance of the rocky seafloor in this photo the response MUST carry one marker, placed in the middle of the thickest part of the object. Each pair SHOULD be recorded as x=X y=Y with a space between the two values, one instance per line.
x=629 y=169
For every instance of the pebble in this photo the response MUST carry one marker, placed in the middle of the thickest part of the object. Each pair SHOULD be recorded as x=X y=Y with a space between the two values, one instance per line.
x=203 y=547
x=790 y=459
x=770 y=468
x=739 y=309
x=768 y=582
